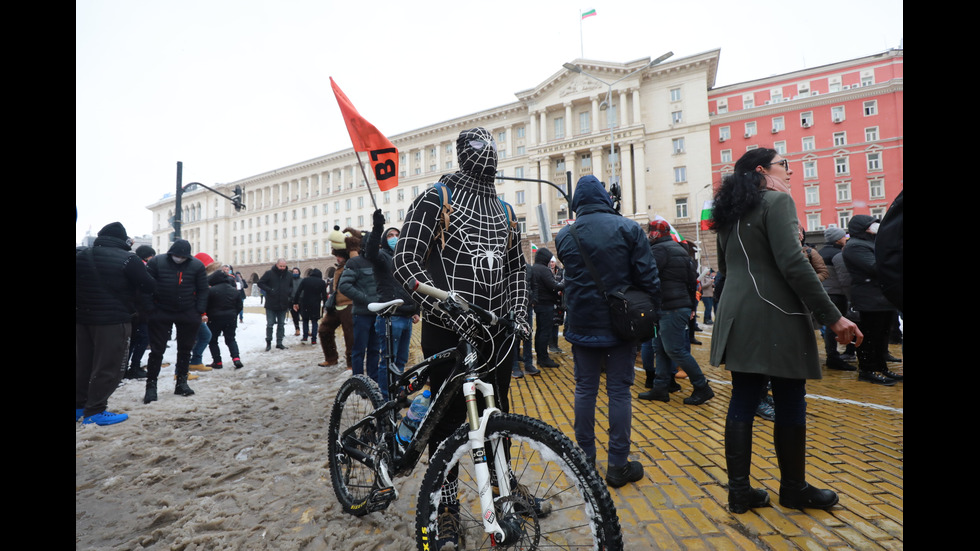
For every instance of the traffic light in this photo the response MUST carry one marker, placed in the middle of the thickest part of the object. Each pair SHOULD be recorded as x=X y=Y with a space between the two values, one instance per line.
x=237 y=199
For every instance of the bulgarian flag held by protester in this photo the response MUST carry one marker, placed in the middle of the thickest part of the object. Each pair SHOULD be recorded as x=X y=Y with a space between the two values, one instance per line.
x=367 y=138
x=534 y=248
x=673 y=232
x=706 y=215
x=589 y=13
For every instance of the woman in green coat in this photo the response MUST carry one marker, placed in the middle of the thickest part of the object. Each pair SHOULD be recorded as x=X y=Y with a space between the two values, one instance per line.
x=763 y=330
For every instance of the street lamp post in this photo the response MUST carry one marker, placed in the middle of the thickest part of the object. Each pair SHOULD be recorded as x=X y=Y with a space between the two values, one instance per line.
x=607 y=105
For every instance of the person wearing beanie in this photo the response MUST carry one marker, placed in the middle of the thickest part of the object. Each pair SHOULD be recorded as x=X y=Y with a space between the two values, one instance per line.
x=837 y=284
x=671 y=345
x=277 y=283
x=109 y=280
x=875 y=311
x=180 y=300
x=337 y=308
x=140 y=339
x=224 y=304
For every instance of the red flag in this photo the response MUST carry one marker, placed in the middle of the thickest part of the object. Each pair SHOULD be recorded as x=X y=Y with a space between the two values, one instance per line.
x=365 y=137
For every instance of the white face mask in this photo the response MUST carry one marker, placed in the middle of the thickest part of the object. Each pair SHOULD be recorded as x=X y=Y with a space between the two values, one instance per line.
x=178 y=259
x=873 y=228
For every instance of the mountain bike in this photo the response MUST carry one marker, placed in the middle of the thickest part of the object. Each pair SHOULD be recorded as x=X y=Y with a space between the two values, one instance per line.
x=515 y=482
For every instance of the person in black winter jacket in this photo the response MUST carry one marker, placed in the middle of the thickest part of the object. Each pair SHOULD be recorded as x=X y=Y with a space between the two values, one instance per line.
x=310 y=294
x=277 y=283
x=678 y=281
x=180 y=300
x=867 y=299
x=546 y=290
x=224 y=304
x=380 y=252
x=109 y=281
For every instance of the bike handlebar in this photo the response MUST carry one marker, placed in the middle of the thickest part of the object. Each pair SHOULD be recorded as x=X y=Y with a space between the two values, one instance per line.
x=486 y=317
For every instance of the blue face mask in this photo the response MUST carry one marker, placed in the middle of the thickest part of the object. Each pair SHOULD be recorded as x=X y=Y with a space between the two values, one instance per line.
x=392 y=241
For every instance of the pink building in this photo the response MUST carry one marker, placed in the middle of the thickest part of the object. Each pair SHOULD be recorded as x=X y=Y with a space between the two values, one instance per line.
x=840 y=126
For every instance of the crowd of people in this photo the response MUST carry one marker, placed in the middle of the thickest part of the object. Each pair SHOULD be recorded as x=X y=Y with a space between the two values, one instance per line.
x=765 y=298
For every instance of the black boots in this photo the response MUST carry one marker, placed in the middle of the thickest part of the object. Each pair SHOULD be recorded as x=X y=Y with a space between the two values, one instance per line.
x=151 y=390
x=738 y=457
x=619 y=476
x=700 y=395
x=794 y=492
x=655 y=393
x=268 y=345
x=181 y=388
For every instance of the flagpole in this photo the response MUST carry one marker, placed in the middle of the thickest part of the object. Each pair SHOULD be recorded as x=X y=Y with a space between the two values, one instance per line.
x=581 y=42
x=367 y=182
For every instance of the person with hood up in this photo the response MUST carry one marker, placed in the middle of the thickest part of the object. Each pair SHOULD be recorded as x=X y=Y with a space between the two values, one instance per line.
x=310 y=295
x=141 y=337
x=478 y=257
x=875 y=311
x=546 y=290
x=620 y=247
x=224 y=304
x=180 y=300
x=293 y=313
x=109 y=281
x=380 y=252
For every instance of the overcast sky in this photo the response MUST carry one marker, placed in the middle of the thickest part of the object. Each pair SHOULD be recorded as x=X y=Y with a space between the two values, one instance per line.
x=233 y=88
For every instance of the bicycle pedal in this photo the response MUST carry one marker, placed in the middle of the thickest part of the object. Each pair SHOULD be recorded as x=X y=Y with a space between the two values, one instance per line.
x=381 y=498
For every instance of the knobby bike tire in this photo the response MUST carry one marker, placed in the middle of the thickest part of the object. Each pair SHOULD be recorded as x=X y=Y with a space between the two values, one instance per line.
x=353 y=481
x=548 y=465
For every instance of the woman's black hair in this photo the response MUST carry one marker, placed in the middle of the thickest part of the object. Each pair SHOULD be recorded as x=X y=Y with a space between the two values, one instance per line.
x=740 y=191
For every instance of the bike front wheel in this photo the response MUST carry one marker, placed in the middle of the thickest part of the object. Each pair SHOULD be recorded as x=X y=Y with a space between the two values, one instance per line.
x=352 y=480
x=557 y=499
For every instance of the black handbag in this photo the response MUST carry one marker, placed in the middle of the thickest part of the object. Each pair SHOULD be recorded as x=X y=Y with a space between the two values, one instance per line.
x=632 y=311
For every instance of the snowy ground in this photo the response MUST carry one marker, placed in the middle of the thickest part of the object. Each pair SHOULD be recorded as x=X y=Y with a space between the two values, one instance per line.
x=241 y=464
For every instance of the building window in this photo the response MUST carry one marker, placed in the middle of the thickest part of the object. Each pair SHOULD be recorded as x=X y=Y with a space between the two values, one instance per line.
x=806 y=119
x=676 y=117
x=520 y=131
x=843 y=217
x=748 y=101
x=844 y=192
x=778 y=124
x=724 y=133
x=585 y=160
x=559 y=127
x=680 y=174
x=502 y=136
x=750 y=129
x=841 y=166
x=812 y=195
x=584 y=122
x=813 y=222
x=449 y=164
x=520 y=150
x=347 y=204
x=726 y=155
x=401 y=214
x=519 y=197
x=837 y=113
x=870 y=108
x=360 y=202
x=776 y=95
x=678 y=144
x=675 y=94
x=867 y=80
x=874 y=161
x=809 y=169
x=680 y=208
x=809 y=144
x=871 y=134
x=840 y=138
x=722 y=106
x=519 y=171
x=876 y=188
x=803 y=89
x=780 y=147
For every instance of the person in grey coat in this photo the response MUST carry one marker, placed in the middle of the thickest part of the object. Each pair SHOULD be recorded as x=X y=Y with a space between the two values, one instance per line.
x=763 y=330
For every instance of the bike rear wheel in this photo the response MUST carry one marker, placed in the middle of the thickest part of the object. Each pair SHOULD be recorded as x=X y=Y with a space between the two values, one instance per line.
x=546 y=466
x=352 y=480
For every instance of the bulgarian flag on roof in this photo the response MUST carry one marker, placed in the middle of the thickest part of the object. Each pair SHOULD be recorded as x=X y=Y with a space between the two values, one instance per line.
x=706 y=215
x=673 y=231
x=589 y=13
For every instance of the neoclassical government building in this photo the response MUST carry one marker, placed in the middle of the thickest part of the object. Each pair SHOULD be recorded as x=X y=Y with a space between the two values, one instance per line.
x=656 y=113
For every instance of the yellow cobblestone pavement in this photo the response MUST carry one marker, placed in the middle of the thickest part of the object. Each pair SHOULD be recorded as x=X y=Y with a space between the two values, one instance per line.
x=855 y=447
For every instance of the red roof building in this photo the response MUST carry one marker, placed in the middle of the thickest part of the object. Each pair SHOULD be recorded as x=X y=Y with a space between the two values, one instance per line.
x=839 y=125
